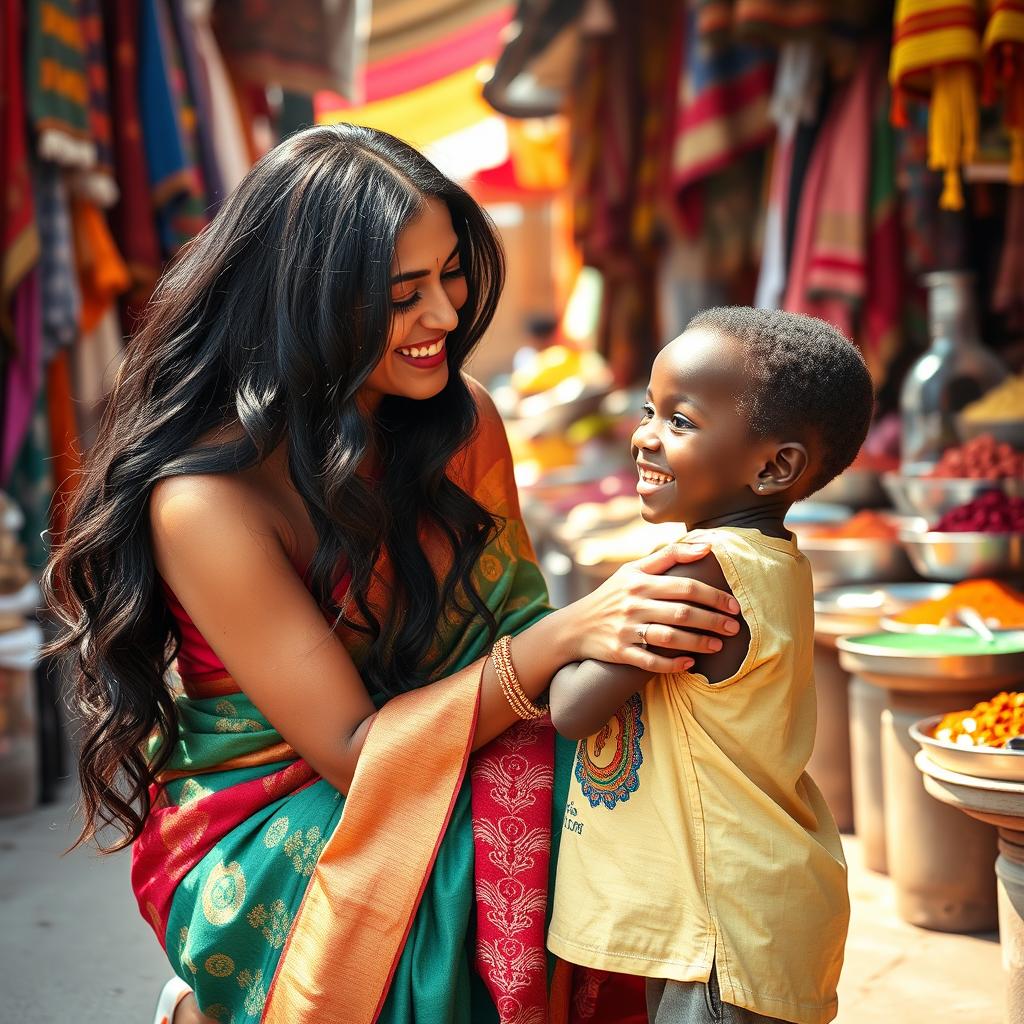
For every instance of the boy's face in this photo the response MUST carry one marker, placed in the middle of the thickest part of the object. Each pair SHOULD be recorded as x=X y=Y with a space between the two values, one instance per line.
x=695 y=455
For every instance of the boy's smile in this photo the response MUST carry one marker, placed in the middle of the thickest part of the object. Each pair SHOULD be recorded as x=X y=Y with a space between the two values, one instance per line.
x=696 y=458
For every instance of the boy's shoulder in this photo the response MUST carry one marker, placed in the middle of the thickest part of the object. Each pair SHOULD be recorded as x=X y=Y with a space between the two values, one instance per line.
x=718 y=665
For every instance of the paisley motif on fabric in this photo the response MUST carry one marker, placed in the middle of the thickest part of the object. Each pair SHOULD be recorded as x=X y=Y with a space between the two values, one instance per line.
x=608 y=763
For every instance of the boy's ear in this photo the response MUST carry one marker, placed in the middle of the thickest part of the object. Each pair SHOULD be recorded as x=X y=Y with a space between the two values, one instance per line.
x=784 y=468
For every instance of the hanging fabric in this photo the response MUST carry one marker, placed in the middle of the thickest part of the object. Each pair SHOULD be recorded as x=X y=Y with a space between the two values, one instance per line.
x=97 y=182
x=18 y=235
x=58 y=89
x=1004 y=74
x=936 y=54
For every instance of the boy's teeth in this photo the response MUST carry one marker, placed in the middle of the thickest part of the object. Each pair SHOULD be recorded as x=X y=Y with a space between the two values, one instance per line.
x=654 y=478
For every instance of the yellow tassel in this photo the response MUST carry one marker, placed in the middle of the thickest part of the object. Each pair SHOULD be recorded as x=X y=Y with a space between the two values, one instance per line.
x=952 y=128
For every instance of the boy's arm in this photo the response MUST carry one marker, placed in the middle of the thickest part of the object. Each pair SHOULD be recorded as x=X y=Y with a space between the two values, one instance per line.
x=585 y=695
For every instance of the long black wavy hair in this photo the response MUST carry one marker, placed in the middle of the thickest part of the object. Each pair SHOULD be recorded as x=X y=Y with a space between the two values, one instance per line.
x=273 y=318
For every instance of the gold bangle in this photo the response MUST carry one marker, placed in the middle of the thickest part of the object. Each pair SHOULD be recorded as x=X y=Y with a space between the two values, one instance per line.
x=501 y=658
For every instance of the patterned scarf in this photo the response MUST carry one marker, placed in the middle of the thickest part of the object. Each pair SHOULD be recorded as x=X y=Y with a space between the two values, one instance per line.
x=58 y=84
x=1004 y=74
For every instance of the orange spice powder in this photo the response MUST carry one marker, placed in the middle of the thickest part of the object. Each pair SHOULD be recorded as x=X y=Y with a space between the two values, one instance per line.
x=1000 y=606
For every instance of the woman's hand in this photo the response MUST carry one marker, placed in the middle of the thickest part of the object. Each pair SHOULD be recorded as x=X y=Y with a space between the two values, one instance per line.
x=639 y=608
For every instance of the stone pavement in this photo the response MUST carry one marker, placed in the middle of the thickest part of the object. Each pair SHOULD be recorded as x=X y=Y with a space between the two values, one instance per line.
x=74 y=949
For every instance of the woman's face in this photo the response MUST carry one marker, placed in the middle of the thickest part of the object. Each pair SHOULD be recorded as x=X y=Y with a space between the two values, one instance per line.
x=428 y=288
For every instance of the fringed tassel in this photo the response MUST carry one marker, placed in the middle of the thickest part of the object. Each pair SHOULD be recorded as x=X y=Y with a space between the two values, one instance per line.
x=1014 y=119
x=953 y=129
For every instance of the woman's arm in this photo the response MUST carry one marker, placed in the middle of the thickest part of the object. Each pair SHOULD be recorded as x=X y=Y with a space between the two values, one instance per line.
x=218 y=549
x=584 y=696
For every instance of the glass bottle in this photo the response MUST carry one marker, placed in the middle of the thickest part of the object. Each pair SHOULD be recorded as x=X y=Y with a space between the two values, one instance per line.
x=954 y=371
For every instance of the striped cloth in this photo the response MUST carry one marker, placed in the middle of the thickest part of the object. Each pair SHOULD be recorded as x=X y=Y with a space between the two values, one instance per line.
x=936 y=53
x=1004 y=74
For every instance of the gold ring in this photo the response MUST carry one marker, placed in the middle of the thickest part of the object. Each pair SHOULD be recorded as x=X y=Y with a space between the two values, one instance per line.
x=642 y=633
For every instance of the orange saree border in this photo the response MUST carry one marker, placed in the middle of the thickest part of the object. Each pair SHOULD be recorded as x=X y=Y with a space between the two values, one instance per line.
x=352 y=924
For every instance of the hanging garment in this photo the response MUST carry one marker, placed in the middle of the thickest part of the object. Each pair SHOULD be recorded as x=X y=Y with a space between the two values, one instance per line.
x=98 y=182
x=723 y=107
x=197 y=88
x=304 y=45
x=23 y=371
x=794 y=101
x=58 y=87
x=1004 y=74
x=30 y=483
x=102 y=274
x=19 y=240
x=228 y=137
x=1008 y=295
x=936 y=53
x=65 y=448
x=58 y=277
x=172 y=174
x=828 y=275
x=775 y=21
x=132 y=220
x=94 y=363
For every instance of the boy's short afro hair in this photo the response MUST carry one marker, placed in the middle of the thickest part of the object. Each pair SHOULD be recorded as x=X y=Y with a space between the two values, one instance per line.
x=803 y=375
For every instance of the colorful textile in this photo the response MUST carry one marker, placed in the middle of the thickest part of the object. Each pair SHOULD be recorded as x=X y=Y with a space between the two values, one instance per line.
x=97 y=182
x=828 y=274
x=622 y=116
x=936 y=53
x=65 y=449
x=795 y=100
x=58 y=280
x=271 y=909
x=102 y=274
x=23 y=372
x=1008 y=294
x=693 y=835
x=723 y=107
x=304 y=45
x=197 y=89
x=58 y=84
x=94 y=364
x=1004 y=74
x=30 y=484
x=131 y=220
x=228 y=140
x=19 y=241
x=770 y=20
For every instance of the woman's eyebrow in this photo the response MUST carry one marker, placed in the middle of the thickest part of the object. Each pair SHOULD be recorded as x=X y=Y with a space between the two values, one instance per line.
x=411 y=275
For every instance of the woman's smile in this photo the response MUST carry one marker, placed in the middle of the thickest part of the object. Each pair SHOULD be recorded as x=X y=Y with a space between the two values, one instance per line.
x=426 y=354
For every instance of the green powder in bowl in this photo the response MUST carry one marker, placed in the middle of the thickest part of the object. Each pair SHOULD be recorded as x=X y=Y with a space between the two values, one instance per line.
x=1009 y=642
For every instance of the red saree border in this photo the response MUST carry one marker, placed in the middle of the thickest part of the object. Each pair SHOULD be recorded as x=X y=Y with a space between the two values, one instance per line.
x=353 y=922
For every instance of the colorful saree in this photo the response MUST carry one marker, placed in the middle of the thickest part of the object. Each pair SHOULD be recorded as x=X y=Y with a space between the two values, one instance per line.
x=277 y=899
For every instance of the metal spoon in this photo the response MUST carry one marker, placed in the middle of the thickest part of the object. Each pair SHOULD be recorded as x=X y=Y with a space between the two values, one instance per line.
x=974 y=622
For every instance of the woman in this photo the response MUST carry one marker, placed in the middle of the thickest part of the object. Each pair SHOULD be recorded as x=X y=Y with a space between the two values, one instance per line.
x=298 y=494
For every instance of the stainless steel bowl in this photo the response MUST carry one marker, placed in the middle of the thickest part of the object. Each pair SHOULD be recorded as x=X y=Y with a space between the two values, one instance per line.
x=980 y=762
x=1007 y=431
x=952 y=557
x=858 y=488
x=933 y=497
x=956 y=664
x=838 y=560
x=859 y=608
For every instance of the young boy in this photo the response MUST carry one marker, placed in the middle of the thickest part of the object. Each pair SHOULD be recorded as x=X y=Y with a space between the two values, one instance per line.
x=697 y=852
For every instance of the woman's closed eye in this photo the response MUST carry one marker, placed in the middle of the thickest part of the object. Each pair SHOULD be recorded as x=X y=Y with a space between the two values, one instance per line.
x=407 y=303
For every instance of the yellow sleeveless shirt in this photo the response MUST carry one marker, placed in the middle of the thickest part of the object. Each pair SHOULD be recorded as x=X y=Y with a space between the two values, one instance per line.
x=692 y=833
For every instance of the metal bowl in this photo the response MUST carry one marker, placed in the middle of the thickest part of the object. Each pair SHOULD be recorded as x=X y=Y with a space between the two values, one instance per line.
x=953 y=662
x=858 y=488
x=1007 y=431
x=859 y=608
x=933 y=497
x=952 y=557
x=838 y=560
x=980 y=762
